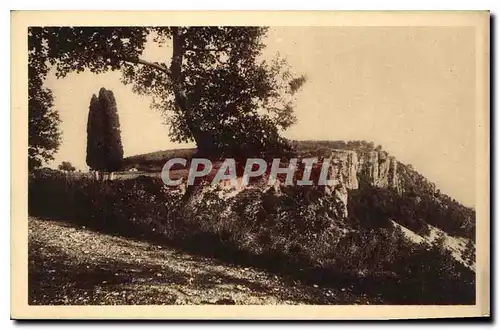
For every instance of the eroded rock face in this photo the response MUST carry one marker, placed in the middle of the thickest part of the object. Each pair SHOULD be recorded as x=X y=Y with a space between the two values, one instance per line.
x=380 y=170
x=378 y=167
x=393 y=180
x=339 y=193
x=370 y=166
x=345 y=167
x=383 y=170
x=342 y=174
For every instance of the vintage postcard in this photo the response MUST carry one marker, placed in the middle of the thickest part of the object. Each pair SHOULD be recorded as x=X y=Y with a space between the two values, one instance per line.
x=250 y=165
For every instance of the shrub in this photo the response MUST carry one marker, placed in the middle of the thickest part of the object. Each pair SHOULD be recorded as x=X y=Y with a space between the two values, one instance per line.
x=126 y=207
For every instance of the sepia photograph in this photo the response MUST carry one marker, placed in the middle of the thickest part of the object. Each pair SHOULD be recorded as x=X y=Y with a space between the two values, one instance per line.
x=322 y=164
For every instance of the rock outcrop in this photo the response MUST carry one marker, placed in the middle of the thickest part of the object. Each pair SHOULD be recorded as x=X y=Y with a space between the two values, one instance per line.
x=339 y=194
x=380 y=170
x=342 y=174
x=345 y=167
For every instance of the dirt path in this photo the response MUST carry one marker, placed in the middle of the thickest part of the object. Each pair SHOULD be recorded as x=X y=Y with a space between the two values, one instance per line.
x=73 y=265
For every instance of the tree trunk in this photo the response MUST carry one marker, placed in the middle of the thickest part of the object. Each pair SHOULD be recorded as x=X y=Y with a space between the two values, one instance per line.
x=203 y=140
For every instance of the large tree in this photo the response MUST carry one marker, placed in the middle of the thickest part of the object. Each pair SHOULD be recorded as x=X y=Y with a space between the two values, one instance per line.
x=214 y=88
x=43 y=120
x=104 y=145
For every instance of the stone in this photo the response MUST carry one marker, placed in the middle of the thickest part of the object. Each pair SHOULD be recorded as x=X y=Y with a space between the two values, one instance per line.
x=380 y=169
x=345 y=164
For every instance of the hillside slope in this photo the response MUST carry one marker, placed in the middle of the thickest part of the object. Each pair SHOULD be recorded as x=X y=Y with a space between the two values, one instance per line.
x=76 y=266
x=456 y=245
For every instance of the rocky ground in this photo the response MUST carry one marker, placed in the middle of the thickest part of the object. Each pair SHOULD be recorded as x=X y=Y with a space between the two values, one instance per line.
x=70 y=265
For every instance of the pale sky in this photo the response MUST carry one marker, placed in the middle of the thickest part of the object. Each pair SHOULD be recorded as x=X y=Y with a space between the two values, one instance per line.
x=410 y=89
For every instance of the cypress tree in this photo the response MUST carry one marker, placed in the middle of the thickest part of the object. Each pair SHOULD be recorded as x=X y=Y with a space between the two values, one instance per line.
x=94 y=134
x=112 y=135
x=104 y=146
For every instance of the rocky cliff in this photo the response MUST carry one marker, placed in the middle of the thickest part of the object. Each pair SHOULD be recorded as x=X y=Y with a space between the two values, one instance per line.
x=345 y=166
x=376 y=168
x=348 y=169
x=380 y=170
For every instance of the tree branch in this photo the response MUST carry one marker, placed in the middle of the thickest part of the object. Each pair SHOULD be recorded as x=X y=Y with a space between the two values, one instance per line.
x=146 y=63
x=137 y=61
x=223 y=49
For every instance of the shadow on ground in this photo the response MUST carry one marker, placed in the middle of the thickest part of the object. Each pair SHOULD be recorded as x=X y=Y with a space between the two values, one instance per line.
x=63 y=270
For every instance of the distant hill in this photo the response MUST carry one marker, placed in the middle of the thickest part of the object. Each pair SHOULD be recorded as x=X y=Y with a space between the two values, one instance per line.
x=154 y=161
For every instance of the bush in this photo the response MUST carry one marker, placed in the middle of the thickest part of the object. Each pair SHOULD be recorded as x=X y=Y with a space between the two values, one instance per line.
x=126 y=207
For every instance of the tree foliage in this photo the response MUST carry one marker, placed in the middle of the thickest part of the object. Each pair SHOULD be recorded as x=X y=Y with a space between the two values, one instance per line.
x=66 y=167
x=95 y=154
x=104 y=146
x=43 y=120
x=214 y=89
